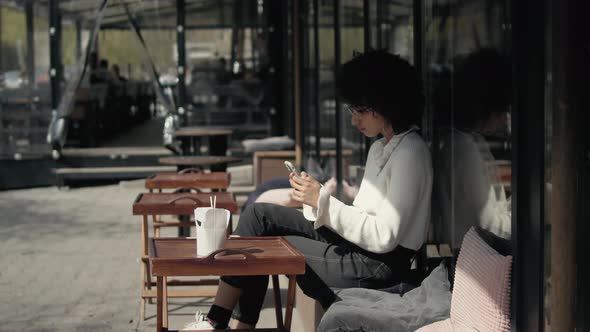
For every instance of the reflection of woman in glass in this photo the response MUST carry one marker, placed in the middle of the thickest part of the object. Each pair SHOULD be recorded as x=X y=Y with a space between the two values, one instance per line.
x=469 y=189
x=371 y=242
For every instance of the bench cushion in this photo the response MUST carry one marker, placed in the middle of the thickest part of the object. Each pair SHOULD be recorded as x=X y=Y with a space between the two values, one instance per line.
x=481 y=294
x=363 y=309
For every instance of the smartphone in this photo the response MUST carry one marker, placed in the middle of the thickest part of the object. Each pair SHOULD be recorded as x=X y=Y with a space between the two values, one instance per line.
x=290 y=167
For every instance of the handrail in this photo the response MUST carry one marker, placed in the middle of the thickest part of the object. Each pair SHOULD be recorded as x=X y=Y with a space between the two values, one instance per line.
x=190 y=170
x=247 y=256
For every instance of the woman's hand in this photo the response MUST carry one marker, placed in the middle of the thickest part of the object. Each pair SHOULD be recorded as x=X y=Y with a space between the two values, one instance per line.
x=306 y=189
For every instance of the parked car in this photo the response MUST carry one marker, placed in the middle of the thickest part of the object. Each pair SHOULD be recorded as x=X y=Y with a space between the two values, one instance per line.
x=12 y=79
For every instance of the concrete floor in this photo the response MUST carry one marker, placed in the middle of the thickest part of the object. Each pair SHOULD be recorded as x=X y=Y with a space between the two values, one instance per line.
x=70 y=262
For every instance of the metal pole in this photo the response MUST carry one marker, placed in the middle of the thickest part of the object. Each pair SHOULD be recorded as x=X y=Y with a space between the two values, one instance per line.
x=303 y=50
x=54 y=53
x=367 y=45
x=418 y=18
x=59 y=33
x=181 y=62
x=78 y=39
x=367 y=24
x=296 y=80
x=1 y=58
x=379 y=22
x=528 y=159
x=286 y=105
x=418 y=40
x=236 y=20
x=337 y=61
x=316 y=81
x=29 y=16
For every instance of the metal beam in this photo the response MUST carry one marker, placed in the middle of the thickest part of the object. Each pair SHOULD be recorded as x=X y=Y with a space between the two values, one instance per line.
x=171 y=26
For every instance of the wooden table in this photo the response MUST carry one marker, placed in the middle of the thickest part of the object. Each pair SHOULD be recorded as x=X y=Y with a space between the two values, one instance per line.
x=189 y=180
x=191 y=137
x=158 y=204
x=241 y=256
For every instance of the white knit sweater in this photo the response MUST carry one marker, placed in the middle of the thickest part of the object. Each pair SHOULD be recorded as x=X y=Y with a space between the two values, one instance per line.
x=393 y=203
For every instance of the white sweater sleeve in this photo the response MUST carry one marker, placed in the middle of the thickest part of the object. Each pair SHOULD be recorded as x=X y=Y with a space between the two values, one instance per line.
x=406 y=185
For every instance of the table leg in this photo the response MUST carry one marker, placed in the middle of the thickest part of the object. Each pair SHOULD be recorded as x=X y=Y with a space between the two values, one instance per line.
x=160 y=304
x=290 y=302
x=184 y=231
x=276 y=290
x=155 y=219
x=144 y=236
x=165 y=303
x=230 y=227
x=195 y=146
x=218 y=147
x=185 y=144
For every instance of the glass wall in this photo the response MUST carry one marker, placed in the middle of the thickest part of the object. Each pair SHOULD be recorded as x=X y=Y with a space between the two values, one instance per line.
x=467 y=70
x=121 y=69
x=228 y=67
x=388 y=25
x=24 y=80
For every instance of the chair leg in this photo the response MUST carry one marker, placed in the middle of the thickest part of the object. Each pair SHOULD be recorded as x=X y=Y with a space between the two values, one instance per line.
x=276 y=290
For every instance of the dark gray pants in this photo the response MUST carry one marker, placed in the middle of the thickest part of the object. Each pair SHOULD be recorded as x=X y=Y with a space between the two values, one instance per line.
x=331 y=261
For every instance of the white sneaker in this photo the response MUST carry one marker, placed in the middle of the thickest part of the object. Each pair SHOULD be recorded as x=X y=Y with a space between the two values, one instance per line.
x=200 y=323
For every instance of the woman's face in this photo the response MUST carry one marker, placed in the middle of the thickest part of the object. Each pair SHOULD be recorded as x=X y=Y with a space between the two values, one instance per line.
x=367 y=121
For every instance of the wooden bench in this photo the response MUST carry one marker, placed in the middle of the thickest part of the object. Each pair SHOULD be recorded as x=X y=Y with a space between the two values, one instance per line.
x=188 y=178
x=270 y=164
x=215 y=163
x=85 y=173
